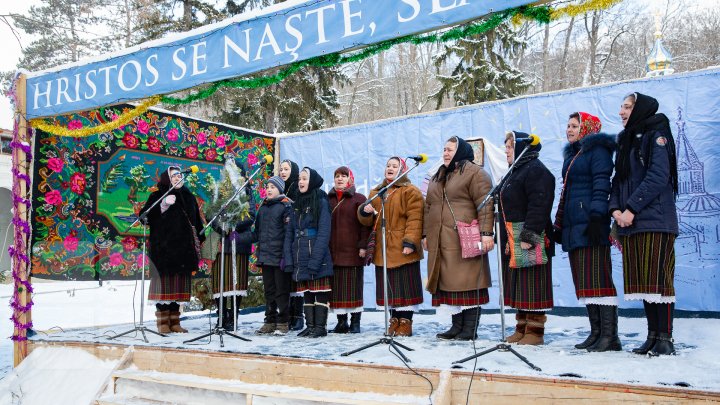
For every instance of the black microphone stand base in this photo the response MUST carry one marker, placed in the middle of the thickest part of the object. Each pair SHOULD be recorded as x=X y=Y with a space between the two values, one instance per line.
x=384 y=340
x=503 y=347
x=220 y=331
x=141 y=329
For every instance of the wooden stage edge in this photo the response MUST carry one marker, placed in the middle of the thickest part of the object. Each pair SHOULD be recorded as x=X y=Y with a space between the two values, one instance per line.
x=450 y=386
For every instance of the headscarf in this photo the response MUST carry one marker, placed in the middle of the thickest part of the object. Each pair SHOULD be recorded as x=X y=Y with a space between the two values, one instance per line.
x=344 y=170
x=309 y=201
x=533 y=151
x=589 y=124
x=644 y=118
x=164 y=183
x=463 y=154
x=291 y=184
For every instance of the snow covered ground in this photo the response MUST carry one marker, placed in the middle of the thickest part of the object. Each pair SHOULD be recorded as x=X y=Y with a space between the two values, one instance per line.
x=84 y=311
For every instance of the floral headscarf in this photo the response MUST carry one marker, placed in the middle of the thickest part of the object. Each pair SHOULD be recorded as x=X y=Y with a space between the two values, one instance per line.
x=589 y=124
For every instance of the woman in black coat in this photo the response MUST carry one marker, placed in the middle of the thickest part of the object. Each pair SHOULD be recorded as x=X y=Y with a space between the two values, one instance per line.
x=527 y=198
x=311 y=251
x=582 y=223
x=175 y=238
x=642 y=202
x=289 y=172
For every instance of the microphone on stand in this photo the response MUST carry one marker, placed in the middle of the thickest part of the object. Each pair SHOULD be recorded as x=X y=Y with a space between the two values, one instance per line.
x=421 y=158
x=532 y=138
x=263 y=160
x=191 y=169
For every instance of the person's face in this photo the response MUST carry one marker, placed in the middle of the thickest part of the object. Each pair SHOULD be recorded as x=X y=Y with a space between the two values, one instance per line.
x=626 y=109
x=449 y=152
x=341 y=181
x=176 y=179
x=573 y=130
x=285 y=170
x=510 y=151
x=271 y=191
x=303 y=181
x=392 y=168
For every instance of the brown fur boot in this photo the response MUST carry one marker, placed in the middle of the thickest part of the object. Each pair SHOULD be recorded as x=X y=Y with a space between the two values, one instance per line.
x=535 y=330
x=404 y=327
x=175 y=322
x=163 y=321
x=393 y=324
x=521 y=319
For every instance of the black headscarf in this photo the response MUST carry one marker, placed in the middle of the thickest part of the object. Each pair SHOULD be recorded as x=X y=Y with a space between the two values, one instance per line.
x=644 y=119
x=291 y=184
x=463 y=154
x=533 y=151
x=309 y=201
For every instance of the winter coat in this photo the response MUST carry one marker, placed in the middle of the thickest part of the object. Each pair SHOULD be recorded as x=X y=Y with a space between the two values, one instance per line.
x=404 y=224
x=311 y=244
x=587 y=188
x=528 y=197
x=273 y=233
x=647 y=191
x=172 y=245
x=447 y=270
x=348 y=235
x=243 y=233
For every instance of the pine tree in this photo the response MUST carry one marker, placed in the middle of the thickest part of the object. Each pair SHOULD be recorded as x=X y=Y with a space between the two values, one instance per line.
x=482 y=70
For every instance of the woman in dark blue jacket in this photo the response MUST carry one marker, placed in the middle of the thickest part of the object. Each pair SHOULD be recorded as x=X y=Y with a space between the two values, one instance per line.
x=642 y=202
x=583 y=224
x=311 y=251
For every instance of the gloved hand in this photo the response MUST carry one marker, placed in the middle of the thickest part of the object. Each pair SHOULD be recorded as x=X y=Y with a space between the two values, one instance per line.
x=595 y=230
x=169 y=200
x=556 y=235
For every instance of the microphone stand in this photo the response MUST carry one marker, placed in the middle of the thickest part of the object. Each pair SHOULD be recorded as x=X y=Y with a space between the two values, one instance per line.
x=219 y=329
x=503 y=346
x=142 y=218
x=387 y=339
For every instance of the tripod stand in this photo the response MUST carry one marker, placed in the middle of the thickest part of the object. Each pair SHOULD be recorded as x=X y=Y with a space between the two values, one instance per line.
x=387 y=339
x=503 y=346
x=219 y=329
x=142 y=218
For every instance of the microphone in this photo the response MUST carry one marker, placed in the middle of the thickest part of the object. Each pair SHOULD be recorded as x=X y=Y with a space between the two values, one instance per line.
x=191 y=169
x=532 y=138
x=264 y=160
x=421 y=158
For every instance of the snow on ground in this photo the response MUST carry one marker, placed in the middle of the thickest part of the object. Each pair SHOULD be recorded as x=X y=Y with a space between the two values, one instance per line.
x=84 y=311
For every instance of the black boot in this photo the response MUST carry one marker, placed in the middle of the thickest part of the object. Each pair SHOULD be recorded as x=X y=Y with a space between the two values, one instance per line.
x=228 y=321
x=296 y=313
x=471 y=319
x=664 y=341
x=593 y=311
x=320 y=326
x=651 y=315
x=608 y=340
x=355 y=322
x=342 y=325
x=455 y=329
x=309 y=320
x=663 y=345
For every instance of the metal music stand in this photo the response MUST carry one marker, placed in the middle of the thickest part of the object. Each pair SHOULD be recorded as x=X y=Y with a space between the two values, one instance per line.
x=503 y=346
x=387 y=339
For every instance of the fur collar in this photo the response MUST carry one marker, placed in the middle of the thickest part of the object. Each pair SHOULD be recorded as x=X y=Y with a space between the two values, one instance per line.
x=589 y=142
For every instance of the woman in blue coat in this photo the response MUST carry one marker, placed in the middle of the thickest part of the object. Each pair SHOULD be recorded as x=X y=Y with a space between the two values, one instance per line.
x=582 y=225
x=642 y=202
x=311 y=251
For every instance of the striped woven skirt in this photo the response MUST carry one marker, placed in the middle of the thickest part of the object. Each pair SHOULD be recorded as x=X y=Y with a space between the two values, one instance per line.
x=242 y=276
x=321 y=284
x=591 y=269
x=347 y=287
x=528 y=288
x=649 y=264
x=169 y=288
x=470 y=298
x=405 y=286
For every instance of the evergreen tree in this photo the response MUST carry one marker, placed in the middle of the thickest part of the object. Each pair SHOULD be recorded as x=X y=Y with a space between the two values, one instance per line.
x=481 y=70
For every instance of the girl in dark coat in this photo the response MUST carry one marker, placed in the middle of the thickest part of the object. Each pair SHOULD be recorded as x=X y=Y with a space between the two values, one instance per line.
x=175 y=238
x=289 y=172
x=642 y=202
x=348 y=242
x=583 y=224
x=527 y=197
x=311 y=251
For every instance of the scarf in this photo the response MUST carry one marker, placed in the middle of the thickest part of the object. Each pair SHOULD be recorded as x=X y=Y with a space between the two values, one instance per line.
x=463 y=154
x=309 y=201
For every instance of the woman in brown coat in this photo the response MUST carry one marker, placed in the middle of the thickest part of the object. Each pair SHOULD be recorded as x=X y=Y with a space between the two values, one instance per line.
x=459 y=286
x=404 y=222
x=348 y=241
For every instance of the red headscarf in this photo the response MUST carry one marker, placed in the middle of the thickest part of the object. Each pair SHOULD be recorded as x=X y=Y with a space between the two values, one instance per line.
x=589 y=124
x=344 y=170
